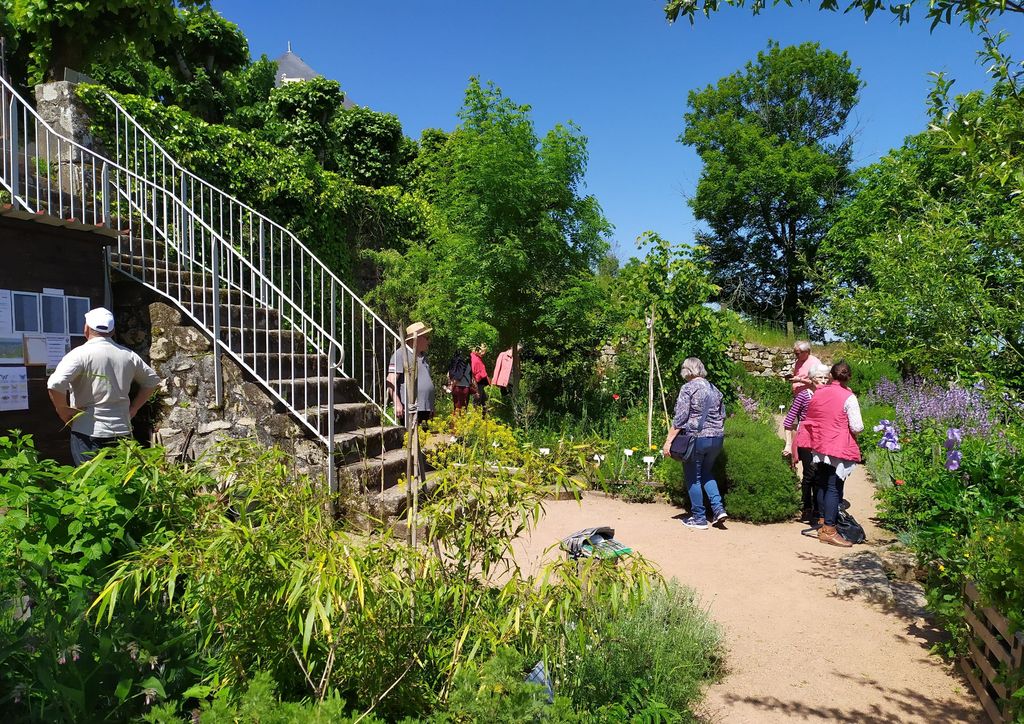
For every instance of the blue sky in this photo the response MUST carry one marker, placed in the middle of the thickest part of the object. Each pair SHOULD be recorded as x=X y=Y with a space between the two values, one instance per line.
x=614 y=67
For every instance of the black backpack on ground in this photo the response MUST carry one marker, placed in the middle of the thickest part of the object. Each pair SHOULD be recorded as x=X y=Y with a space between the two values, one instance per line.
x=849 y=528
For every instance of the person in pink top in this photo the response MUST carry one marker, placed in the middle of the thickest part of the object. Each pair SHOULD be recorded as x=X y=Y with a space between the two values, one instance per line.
x=480 y=377
x=832 y=424
x=798 y=445
x=800 y=379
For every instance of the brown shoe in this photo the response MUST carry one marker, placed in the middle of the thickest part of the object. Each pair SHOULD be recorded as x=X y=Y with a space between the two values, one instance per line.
x=828 y=534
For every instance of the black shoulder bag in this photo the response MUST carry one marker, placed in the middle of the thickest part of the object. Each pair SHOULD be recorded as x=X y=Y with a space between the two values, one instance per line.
x=684 y=442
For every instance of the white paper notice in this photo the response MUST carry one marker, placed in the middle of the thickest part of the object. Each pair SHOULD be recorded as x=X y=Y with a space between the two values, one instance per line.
x=6 y=314
x=13 y=389
x=36 y=350
x=56 y=348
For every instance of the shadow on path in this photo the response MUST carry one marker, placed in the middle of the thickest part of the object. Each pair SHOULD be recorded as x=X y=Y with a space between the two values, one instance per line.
x=908 y=703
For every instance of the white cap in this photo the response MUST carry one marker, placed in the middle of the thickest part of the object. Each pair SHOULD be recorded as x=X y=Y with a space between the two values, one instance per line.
x=100 y=319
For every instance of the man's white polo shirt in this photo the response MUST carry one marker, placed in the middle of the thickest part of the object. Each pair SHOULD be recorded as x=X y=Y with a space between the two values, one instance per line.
x=99 y=375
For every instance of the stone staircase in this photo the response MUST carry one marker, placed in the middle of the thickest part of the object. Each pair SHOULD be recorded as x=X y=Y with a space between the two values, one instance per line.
x=368 y=453
x=248 y=314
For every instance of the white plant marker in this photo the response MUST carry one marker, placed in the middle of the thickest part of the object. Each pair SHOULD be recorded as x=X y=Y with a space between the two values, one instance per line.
x=544 y=450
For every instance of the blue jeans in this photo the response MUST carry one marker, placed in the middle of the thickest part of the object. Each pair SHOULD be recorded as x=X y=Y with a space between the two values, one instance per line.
x=830 y=493
x=84 y=447
x=700 y=476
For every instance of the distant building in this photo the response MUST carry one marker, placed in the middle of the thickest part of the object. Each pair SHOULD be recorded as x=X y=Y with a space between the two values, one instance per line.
x=292 y=69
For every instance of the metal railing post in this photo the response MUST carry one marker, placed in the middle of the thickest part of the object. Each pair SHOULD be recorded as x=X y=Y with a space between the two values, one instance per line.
x=14 y=154
x=218 y=377
x=105 y=183
x=332 y=471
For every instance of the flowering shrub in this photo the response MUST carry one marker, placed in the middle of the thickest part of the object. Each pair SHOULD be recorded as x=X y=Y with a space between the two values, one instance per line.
x=919 y=403
x=951 y=481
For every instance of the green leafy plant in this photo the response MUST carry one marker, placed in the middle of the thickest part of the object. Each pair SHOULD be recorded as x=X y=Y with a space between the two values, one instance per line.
x=60 y=530
x=663 y=650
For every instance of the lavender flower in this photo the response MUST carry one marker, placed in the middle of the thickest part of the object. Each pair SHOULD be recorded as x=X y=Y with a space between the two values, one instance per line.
x=750 y=405
x=919 y=403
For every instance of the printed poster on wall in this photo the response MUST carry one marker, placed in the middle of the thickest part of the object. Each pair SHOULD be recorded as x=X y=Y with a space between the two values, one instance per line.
x=56 y=348
x=6 y=314
x=12 y=350
x=13 y=389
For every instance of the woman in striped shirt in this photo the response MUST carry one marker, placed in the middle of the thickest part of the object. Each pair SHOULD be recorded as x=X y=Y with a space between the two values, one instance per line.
x=797 y=447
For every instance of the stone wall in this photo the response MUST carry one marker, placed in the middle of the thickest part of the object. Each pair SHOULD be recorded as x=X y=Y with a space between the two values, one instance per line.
x=185 y=418
x=60 y=108
x=761 y=360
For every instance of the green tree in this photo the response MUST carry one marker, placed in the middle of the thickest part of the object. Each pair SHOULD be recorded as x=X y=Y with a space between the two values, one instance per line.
x=50 y=35
x=925 y=260
x=672 y=284
x=939 y=11
x=776 y=165
x=512 y=224
x=191 y=67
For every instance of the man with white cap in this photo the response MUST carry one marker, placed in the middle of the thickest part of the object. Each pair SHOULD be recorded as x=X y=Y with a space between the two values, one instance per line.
x=99 y=375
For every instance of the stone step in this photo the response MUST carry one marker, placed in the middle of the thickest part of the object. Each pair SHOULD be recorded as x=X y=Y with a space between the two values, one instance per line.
x=375 y=473
x=266 y=338
x=304 y=392
x=367 y=442
x=347 y=415
x=155 y=272
x=274 y=366
x=390 y=509
x=234 y=316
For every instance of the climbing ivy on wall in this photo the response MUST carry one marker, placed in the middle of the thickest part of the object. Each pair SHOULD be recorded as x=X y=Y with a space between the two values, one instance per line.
x=335 y=216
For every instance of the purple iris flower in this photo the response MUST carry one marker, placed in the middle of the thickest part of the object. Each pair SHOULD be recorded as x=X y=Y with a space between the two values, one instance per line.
x=953 y=458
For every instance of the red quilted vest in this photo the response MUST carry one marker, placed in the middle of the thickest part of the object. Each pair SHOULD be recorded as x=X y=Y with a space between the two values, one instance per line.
x=827 y=427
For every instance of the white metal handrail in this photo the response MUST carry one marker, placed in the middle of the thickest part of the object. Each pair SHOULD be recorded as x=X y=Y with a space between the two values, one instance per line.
x=165 y=245
x=366 y=341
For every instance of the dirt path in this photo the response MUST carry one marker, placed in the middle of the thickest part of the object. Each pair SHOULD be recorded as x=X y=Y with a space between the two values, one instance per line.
x=796 y=650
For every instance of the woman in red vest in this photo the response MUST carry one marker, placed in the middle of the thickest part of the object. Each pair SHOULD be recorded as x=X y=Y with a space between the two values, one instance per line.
x=832 y=424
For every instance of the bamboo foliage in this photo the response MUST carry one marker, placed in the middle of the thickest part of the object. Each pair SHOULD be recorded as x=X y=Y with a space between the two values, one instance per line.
x=268 y=582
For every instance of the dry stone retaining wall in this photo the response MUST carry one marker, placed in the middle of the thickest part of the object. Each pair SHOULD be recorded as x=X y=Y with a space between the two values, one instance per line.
x=761 y=360
x=185 y=418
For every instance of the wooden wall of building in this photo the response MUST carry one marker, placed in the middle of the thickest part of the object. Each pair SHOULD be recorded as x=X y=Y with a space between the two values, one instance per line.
x=35 y=255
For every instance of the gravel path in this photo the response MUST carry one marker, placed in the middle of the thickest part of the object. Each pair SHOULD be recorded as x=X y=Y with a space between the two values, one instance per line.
x=796 y=651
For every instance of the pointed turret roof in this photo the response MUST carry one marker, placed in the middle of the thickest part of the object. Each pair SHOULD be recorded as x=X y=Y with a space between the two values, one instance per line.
x=291 y=67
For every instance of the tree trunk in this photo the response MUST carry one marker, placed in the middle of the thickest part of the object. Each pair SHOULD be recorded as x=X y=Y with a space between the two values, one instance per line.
x=66 y=52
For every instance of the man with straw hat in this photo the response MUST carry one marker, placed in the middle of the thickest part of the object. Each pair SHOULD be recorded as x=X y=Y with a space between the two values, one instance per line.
x=417 y=339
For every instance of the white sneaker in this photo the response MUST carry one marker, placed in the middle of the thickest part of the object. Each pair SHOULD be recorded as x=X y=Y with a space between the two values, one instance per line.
x=695 y=524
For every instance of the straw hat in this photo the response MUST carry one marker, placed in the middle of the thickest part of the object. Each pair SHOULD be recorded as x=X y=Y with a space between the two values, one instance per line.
x=417 y=329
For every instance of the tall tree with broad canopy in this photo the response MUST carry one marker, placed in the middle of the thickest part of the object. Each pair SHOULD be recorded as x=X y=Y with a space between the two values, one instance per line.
x=513 y=227
x=926 y=260
x=776 y=166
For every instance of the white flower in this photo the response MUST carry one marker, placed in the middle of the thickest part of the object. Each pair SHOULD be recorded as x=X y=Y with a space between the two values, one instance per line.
x=544 y=450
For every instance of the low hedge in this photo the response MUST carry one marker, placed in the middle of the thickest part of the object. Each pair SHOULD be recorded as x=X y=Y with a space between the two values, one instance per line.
x=757 y=483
